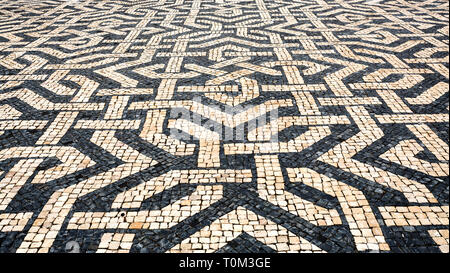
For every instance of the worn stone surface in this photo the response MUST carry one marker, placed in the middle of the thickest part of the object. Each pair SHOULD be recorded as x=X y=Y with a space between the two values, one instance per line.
x=224 y=126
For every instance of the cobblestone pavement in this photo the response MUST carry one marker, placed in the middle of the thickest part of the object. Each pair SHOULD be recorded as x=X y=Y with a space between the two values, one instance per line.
x=224 y=126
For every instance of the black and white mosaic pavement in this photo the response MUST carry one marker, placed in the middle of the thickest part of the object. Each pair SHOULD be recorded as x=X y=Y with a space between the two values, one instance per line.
x=224 y=126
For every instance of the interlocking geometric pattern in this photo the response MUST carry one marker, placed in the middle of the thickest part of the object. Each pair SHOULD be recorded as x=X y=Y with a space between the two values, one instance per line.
x=356 y=159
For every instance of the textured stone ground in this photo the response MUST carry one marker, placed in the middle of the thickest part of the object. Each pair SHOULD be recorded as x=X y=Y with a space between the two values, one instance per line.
x=224 y=125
